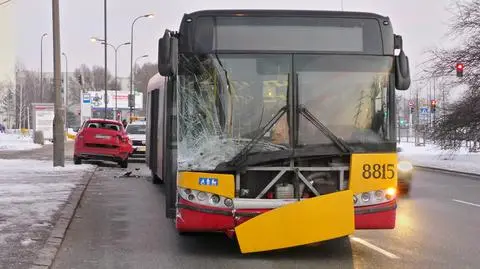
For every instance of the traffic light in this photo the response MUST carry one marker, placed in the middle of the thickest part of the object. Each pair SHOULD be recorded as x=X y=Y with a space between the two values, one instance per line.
x=79 y=78
x=433 y=105
x=459 y=67
x=411 y=106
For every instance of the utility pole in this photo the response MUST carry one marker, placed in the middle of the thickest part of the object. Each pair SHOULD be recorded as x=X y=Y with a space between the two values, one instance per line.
x=434 y=98
x=41 y=67
x=94 y=39
x=105 y=51
x=65 y=90
x=58 y=121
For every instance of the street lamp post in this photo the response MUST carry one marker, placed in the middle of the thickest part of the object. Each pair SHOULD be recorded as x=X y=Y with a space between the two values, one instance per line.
x=131 y=57
x=41 y=66
x=135 y=65
x=94 y=39
x=105 y=52
x=65 y=90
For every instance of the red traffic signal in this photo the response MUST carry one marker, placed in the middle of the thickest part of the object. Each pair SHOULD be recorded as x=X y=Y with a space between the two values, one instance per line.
x=433 y=105
x=459 y=67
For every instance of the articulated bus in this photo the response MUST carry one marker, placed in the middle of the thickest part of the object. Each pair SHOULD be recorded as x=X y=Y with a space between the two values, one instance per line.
x=277 y=127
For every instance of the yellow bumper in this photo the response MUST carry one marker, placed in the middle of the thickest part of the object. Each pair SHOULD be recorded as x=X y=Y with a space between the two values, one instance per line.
x=309 y=221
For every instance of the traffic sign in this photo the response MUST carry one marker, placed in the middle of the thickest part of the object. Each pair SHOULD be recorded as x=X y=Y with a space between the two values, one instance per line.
x=424 y=110
x=86 y=98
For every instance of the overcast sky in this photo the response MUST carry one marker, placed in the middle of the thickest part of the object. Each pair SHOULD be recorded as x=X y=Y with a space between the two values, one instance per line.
x=422 y=23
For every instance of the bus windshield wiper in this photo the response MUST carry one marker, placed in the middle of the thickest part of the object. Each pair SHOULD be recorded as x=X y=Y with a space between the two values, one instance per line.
x=342 y=145
x=241 y=156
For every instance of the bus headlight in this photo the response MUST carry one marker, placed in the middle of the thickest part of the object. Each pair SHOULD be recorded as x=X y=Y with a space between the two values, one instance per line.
x=202 y=196
x=228 y=202
x=365 y=197
x=379 y=195
x=404 y=166
x=215 y=199
x=374 y=197
x=205 y=198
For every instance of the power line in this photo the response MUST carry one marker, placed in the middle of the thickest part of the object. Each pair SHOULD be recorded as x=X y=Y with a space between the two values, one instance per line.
x=5 y=2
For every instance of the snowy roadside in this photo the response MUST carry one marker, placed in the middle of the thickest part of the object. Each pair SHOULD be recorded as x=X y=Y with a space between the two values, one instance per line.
x=16 y=142
x=433 y=157
x=32 y=193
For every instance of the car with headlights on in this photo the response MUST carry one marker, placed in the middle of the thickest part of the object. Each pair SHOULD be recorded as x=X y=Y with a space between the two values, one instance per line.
x=405 y=173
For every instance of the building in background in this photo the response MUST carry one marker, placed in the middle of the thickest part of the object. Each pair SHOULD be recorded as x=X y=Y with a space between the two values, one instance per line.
x=7 y=64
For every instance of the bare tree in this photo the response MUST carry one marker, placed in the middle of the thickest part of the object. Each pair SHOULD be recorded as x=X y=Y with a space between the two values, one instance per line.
x=7 y=103
x=98 y=78
x=141 y=77
x=459 y=121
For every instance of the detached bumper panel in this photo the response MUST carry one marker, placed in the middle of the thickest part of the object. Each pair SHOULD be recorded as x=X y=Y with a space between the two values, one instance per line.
x=305 y=222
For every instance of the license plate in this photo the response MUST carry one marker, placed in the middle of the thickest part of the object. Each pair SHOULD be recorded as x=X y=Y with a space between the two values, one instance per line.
x=102 y=136
x=141 y=148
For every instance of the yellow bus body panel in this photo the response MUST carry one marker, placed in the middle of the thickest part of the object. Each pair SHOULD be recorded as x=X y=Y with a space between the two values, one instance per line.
x=224 y=184
x=369 y=172
x=309 y=221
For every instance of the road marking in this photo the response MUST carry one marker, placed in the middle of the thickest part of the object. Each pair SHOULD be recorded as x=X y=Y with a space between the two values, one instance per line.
x=372 y=246
x=467 y=203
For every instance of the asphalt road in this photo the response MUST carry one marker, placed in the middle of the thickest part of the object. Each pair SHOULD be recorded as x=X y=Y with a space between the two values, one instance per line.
x=43 y=153
x=121 y=224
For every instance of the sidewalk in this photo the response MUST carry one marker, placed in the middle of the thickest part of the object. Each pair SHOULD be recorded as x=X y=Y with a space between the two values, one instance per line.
x=32 y=195
x=433 y=157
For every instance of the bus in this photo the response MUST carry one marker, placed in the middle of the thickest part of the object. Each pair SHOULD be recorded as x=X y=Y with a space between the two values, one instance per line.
x=277 y=127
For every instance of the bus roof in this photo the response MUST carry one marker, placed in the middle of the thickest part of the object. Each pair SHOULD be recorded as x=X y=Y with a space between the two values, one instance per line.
x=282 y=12
x=156 y=82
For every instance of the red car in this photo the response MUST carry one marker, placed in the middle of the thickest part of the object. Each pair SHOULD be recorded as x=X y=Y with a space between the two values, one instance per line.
x=101 y=139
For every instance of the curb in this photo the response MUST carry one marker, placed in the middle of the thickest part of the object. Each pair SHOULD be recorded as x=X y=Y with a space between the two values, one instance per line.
x=448 y=171
x=47 y=253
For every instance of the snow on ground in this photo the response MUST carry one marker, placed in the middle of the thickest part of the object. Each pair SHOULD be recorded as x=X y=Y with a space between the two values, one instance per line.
x=16 y=142
x=432 y=156
x=31 y=193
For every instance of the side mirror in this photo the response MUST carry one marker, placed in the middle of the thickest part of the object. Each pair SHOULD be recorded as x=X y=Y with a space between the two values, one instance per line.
x=167 y=54
x=402 y=72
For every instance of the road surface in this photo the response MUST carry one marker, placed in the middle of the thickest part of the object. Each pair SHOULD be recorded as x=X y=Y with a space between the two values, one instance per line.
x=43 y=153
x=121 y=224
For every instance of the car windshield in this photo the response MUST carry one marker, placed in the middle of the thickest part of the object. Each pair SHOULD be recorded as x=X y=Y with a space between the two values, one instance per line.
x=137 y=129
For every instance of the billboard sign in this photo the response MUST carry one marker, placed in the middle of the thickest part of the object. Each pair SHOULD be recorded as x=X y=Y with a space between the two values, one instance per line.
x=43 y=119
x=97 y=99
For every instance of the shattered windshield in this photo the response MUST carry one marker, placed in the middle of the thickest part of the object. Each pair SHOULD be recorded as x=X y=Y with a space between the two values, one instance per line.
x=223 y=101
